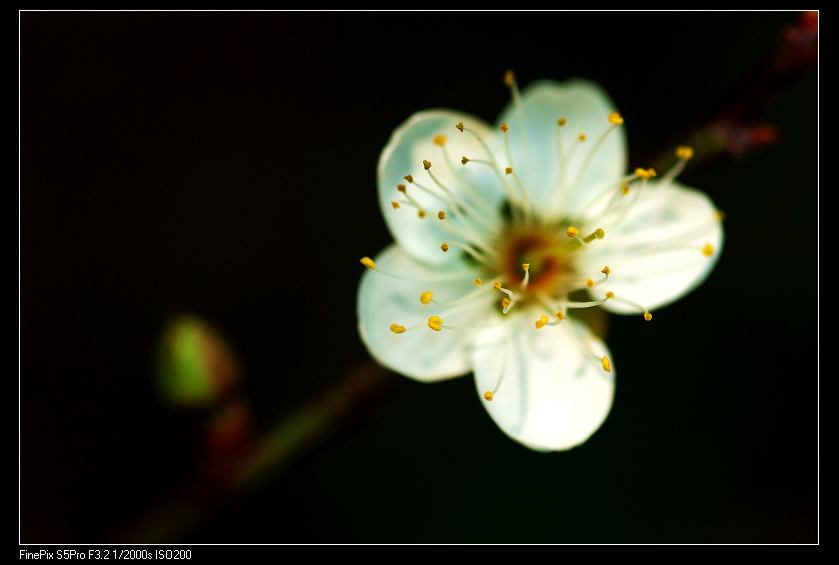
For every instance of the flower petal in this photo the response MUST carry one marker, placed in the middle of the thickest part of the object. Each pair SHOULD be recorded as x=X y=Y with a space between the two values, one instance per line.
x=656 y=253
x=422 y=353
x=535 y=149
x=554 y=392
x=409 y=146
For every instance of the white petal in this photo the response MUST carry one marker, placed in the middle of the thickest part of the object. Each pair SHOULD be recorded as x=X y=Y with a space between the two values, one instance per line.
x=554 y=393
x=535 y=150
x=655 y=252
x=409 y=145
x=423 y=354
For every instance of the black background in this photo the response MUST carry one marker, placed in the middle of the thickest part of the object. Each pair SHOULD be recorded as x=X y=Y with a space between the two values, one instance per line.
x=224 y=163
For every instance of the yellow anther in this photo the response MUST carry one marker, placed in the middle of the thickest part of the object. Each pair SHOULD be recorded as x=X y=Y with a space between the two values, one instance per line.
x=589 y=283
x=606 y=270
x=440 y=140
x=496 y=286
x=409 y=178
x=464 y=160
x=560 y=316
x=642 y=173
x=441 y=215
x=504 y=127
x=425 y=297
x=426 y=164
x=541 y=322
x=561 y=121
x=445 y=247
x=651 y=172
x=684 y=152
x=434 y=322
x=615 y=118
x=610 y=295
x=625 y=189
x=395 y=205
x=582 y=137
x=572 y=232
x=509 y=78
x=508 y=170
x=607 y=365
x=401 y=188
x=719 y=215
x=525 y=266
x=368 y=262
x=505 y=302
x=648 y=316
x=708 y=250
x=478 y=282
x=397 y=329
x=459 y=126
x=488 y=396
x=421 y=213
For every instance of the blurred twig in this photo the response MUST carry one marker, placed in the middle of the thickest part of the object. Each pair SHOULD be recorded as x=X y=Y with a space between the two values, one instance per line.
x=222 y=479
x=734 y=128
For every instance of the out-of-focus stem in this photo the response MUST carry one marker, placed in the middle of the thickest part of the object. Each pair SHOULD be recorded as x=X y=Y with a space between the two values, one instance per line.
x=222 y=481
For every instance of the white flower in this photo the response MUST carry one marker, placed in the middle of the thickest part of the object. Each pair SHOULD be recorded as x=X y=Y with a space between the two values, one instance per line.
x=503 y=233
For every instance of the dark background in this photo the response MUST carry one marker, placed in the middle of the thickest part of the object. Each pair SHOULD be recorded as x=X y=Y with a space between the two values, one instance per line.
x=224 y=164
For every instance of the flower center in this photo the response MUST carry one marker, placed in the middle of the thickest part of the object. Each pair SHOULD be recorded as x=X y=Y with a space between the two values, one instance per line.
x=549 y=258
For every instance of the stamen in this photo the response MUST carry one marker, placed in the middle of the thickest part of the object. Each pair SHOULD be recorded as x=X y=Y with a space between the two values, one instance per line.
x=440 y=140
x=435 y=323
x=369 y=263
x=572 y=232
x=596 y=234
x=464 y=210
x=708 y=250
x=489 y=395
x=559 y=319
x=526 y=267
x=476 y=253
x=493 y=163
x=647 y=315
x=607 y=365
x=411 y=202
x=541 y=322
x=510 y=82
x=397 y=329
x=684 y=153
x=525 y=200
x=441 y=214
x=478 y=282
x=425 y=297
